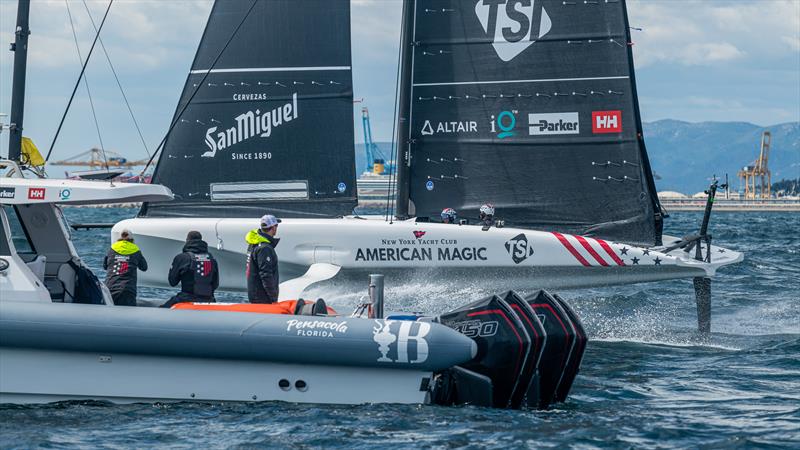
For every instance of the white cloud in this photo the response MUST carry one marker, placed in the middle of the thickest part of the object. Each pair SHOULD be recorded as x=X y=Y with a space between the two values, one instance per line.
x=139 y=35
x=695 y=32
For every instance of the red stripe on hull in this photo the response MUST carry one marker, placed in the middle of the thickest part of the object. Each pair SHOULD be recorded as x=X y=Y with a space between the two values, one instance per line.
x=591 y=251
x=571 y=249
x=610 y=252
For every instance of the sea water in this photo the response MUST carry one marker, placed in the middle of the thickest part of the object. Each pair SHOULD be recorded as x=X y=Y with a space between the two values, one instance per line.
x=647 y=379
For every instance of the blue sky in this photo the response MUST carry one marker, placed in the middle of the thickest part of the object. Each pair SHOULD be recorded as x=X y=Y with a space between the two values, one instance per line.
x=712 y=60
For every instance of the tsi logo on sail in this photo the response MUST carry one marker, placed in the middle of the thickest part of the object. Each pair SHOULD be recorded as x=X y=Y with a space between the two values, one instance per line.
x=513 y=25
x=250 y=124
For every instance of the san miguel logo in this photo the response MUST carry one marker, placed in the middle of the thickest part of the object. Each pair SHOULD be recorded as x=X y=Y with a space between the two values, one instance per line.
x=519 y=248
x=248 y=125
x=513 y=25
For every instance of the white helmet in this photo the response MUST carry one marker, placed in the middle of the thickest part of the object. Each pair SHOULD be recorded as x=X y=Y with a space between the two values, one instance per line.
x=487 y=209
x=449 y=214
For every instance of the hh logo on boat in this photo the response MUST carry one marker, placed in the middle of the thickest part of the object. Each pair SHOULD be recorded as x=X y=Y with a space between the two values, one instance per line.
x=396 y=346
x=36 y=193
x=316 y=328
x=250 y=124
x=519 y=248
x=606 y=122
x=557 y=123
x=512 y=25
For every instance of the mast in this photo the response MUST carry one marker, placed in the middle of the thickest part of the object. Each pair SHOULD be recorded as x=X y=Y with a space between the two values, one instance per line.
x=404 y=110
x=20 y=49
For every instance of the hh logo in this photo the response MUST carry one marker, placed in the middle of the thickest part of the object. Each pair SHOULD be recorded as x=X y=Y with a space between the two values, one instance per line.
x=519 y=248
x=512 y=25
x=35 y=193
x=394 y=347
x=606 y=122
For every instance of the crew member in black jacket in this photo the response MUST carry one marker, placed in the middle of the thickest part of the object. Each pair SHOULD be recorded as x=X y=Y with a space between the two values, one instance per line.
x=262 y=262
x=122 y=261
x=196 y=270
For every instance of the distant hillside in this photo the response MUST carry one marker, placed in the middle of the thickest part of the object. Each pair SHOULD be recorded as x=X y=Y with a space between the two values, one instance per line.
x=685 y=155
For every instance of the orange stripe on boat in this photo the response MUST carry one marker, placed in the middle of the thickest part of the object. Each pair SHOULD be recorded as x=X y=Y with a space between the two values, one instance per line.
x=284 y=307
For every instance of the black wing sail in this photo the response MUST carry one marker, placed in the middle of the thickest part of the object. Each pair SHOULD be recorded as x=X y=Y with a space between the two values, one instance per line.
x=530 y=105
x=270 y=127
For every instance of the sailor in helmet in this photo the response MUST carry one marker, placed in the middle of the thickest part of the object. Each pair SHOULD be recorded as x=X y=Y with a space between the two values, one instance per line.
x=449 y=215
x=487 y=215
x=262 y=261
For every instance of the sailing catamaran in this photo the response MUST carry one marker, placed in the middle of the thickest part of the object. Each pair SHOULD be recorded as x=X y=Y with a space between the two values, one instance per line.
x=531 y=106
x=61 y=335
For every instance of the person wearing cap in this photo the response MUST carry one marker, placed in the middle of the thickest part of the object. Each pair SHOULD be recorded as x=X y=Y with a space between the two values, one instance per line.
x=196 y=270
x=449 y=215
x=121 y=263
x=262 y=261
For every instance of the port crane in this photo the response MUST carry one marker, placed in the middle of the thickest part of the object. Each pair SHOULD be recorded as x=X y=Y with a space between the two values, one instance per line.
x=94 y=158
x=756 y=177
x=376 y=162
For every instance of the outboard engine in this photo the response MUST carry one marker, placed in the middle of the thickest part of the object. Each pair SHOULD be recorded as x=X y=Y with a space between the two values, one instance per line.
x=560 y=363
x=529 y=351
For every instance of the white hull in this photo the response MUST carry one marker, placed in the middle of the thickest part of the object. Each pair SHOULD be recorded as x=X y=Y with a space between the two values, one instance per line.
x=406 y=250
x=41 y=376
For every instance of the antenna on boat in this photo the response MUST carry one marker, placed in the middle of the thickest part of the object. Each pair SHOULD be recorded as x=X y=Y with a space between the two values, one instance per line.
x=20 y=49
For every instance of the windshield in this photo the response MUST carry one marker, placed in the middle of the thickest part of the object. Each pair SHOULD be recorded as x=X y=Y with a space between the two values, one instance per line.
x=18 y=234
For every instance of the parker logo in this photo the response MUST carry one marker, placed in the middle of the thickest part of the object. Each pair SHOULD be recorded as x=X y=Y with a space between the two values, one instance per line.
x=419 y=234
x=8 y=192
x=519 y=248
x=606 y=122
x=449 y=127
x=250 y=124
x=556 y=123
x=513 y=25
x=36 y=193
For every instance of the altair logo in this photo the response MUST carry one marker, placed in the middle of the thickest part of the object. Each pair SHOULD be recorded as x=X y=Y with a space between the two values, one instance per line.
x=513 y=25
x=250 y=124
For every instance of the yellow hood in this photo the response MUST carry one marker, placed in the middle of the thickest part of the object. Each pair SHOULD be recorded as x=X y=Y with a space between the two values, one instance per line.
x=124 y=247
x=254 y=238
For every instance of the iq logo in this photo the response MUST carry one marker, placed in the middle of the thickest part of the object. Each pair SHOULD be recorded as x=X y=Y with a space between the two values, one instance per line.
x=64 y=194
x=505 y=122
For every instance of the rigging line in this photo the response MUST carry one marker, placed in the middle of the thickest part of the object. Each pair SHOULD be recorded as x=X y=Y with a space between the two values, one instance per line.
x=197 y=88
x=77 y=83
x=122 y=91
x=392 y=151
x=86 y=83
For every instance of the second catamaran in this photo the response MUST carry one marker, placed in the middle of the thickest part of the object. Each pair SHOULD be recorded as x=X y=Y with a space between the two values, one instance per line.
x=529 y=105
